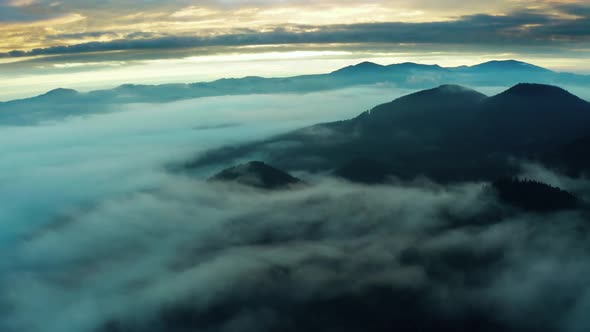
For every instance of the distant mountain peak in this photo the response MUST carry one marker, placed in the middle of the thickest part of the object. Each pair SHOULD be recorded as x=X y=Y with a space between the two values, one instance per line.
x=257 y=174
x=368 y=64
x=509 y=64
x=360 y=67
x=60 y=92
x=129 y=86
x=511 y=61
x=486 y=67
x=413 y=65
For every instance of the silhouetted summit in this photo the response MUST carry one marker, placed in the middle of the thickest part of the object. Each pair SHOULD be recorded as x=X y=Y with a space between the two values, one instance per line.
x=541 y=91
x=447 y=92
x=449 y=133
x=424 y=113
x=360 y=68
x=257 y=174
x=536 y=98
x=533 y=118
x=389 y=71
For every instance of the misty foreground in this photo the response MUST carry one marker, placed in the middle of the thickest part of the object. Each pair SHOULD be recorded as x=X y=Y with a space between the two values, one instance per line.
x=220 y=256
x=317 y=245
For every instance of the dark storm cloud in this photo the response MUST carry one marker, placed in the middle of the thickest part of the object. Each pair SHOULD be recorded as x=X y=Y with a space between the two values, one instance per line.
x=519 y=28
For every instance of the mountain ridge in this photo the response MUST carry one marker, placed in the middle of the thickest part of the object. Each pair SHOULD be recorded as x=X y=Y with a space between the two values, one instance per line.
x=362 y=65
x=449 y=133
x=62 y=103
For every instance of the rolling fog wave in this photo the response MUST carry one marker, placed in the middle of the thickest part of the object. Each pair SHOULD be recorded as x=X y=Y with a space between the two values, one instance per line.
x=49 y=169
x=98 y=236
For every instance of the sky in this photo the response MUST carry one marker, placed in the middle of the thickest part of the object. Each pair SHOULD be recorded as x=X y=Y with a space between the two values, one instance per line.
x=93 y=44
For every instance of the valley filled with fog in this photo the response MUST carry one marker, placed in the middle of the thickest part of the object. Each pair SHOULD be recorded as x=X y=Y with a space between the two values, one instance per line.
x=294 y=166
x=52 y=167
x=101 y=232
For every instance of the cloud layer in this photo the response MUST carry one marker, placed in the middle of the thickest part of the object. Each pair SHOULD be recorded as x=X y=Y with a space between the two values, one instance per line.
x=223 y=258
x=51 y=168
x=530 y=27
x=98 y=236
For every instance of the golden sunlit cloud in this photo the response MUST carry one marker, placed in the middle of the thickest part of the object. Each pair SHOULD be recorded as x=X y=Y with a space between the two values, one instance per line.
x=21 y=3
x=218 y=17
x=165 y=41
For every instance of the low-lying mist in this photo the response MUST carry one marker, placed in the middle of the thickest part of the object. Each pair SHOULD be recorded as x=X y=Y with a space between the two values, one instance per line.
x=50 y=168
x=219 y=257
x=98 y=235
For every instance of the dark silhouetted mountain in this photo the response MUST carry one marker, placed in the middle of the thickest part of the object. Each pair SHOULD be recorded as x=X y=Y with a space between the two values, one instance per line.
x=62 y=103
x=365 y=171
x=257 y=174
x=542 y=93
x=447 y=95
x=450 y=133
x=572 y=158
x=530 y=118
x=534 y=196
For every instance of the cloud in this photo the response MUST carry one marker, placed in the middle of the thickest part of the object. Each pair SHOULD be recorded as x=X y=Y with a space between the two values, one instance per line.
x=21 y=3
x=10 y=13
x=97 y=235
x=84 y=35
x=577 y=9
x=222 y=258
x=71 y=162
x=526 y=27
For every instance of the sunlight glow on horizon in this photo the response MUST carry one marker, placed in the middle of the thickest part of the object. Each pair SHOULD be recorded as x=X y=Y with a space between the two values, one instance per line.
x=192 y=69
x=87 y=45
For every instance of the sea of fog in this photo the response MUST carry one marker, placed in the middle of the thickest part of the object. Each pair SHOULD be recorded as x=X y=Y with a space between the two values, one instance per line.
x=96 y=231
x=47 y=169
